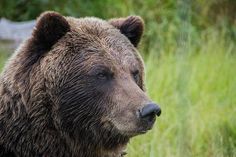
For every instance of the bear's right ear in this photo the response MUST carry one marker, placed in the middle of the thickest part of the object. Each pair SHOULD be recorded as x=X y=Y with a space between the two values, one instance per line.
x=50 y=27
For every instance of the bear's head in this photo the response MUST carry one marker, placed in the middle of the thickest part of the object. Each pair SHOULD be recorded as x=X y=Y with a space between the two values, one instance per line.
x=93 y=77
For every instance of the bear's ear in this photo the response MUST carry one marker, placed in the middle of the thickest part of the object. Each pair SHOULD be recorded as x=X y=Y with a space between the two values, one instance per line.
x=132 y=27
x=50 y=27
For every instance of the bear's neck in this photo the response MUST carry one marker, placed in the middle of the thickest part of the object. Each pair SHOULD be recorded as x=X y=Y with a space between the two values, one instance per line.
x=89 y=145
x=120 y=151
x=89 y=150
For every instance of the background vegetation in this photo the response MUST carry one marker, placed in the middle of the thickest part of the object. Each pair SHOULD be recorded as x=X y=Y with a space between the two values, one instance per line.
x=189 y=51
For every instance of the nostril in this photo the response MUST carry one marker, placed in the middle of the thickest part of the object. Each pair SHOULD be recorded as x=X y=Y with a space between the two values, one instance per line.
x=150 y=110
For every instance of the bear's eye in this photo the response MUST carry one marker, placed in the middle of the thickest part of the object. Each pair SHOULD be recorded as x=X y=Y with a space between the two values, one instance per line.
x=104 y=75
x=136 y=75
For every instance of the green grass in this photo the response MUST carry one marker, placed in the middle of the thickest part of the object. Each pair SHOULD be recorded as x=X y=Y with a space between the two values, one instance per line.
x=197 y=93
x=190 y=56
x=5 y=52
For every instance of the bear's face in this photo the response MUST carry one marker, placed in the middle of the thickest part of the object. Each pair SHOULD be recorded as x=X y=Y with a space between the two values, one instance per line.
x=94 y=75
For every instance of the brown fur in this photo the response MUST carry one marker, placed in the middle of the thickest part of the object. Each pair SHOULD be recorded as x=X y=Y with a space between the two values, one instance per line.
x=73 y=89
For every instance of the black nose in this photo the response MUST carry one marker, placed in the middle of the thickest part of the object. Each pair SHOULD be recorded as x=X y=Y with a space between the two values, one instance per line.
x=150 y=110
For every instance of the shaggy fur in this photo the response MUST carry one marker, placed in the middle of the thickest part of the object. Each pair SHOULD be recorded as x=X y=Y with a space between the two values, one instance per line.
x=73 y=89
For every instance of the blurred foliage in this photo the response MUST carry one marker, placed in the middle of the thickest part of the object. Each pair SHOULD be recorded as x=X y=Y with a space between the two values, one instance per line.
x=203 y=12
x=171 y=19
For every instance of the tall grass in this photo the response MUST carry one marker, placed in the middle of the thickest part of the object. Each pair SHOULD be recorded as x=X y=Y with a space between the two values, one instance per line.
x=190 y=65
x=197 y=93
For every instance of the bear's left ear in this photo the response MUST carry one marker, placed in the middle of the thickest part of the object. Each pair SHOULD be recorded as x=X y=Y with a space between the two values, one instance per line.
x=50 y=27
x=132 y=27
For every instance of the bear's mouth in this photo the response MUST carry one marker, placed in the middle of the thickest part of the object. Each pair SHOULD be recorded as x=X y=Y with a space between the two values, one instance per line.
x=140 y=127
x=137 y=132
x=123 y=153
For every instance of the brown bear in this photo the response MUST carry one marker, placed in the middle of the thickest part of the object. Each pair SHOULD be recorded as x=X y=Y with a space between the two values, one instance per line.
x=75 y=88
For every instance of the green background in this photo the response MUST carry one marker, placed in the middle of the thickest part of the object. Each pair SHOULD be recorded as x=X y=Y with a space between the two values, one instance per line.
x=189 y=52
